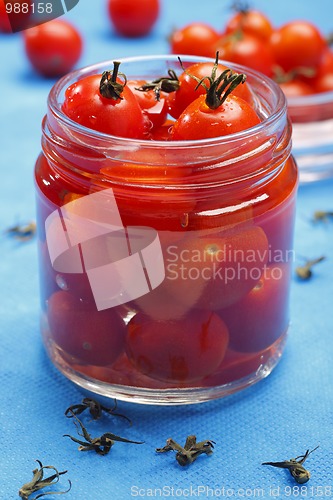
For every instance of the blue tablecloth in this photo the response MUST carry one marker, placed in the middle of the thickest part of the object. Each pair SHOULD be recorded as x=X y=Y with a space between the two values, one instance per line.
x=278 y=418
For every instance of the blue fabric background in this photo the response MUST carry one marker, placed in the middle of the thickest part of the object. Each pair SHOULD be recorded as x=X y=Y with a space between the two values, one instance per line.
x=277 y=419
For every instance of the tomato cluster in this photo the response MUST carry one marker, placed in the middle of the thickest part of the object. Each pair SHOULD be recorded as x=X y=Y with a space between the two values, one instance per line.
x=296 y=54
x=206 y=100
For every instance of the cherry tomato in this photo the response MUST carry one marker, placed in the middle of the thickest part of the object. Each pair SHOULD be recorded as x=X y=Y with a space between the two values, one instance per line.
x=324 y=83
x=121 y=116
x=194 y=38
x=91 y=336
x=217 y=270
x=323 y=79
x=199 y=121
x=247 y=50
x=262 y=316
x=15 y=17
x=297 y=44
x=53 y=48
x=237 y=365
x=5 y=26
x=189 y=90
x=296 y=87
x=162 y=133
x=132 y=18
x=184 y=350
x=253 y=22
x=156 y=110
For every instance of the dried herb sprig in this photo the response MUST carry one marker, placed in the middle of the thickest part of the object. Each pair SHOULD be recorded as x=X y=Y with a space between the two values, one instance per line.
x=110 y=87
x=38 y=482
x=305 y=272
x=95 y=408
x=101 y=445
x=23 y=232
x=322 y=215
x=295 y=467
x=188 y=453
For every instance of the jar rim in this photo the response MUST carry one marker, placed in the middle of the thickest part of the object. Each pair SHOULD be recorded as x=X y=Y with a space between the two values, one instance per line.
x=279 y=109
x=321 y=98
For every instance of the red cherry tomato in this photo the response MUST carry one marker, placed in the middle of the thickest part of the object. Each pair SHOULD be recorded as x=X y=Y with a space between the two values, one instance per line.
x=237 y=365
x=297 y=44
x=189 y=90
x=199 y=121
x=194 y=38
x=247 y=50
x=123 y=372
x=91 y=336
x=262 y=316
x=53 y=48
x=14 y=16
x=122 y=117
x=324 y=83
x=295 y=88
x=5 y=26
x=252 y=22
x=323 y=79
x=162 y=133
x=184 y=350
x=217 y=270
x=156 y=110
x=132 y=18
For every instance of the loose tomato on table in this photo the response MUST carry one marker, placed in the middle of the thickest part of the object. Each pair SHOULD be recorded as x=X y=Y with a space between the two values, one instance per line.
x=131 y=18
x=15 y=16
x=105 y=103
x=5 y=26
x=177 y=350
x=90 y=336
x=196 y=38
x=53 y=48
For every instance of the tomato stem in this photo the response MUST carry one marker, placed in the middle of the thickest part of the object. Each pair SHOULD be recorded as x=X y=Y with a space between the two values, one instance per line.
x=166 y=84
x=281 y=76
x=242 y=6
x=219 y=87
x=109 y=86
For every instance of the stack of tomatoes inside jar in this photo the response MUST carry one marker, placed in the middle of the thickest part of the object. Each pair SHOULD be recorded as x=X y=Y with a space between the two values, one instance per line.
x=296 y=54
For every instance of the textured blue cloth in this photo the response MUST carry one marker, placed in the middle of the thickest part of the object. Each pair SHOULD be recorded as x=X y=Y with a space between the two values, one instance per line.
x=278 y=418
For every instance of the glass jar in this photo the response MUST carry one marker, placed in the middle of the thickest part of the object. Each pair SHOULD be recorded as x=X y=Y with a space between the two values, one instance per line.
x=312 y=119
x=165 y=265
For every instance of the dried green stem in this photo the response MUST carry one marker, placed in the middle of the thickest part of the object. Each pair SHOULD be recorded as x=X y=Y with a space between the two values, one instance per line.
x=109 y=87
